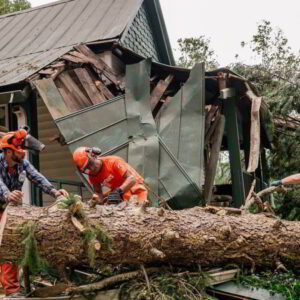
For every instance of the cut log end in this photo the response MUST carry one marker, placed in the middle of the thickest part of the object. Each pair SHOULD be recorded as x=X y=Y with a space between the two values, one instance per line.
x=97 y=246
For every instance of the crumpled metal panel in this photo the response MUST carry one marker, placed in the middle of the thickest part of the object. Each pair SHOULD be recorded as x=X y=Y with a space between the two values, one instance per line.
x=102 y=125
x=181 y=129
x=175 y=183
x=181 y=125
x=180 y=157
x=143 y=152
x=171 y=163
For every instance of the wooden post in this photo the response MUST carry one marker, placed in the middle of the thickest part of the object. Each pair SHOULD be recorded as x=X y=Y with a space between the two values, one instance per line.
x=210 y=172
x=232 y=134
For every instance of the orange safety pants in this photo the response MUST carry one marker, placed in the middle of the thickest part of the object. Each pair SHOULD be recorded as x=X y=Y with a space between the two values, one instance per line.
x=139 y=191
x=9 y=276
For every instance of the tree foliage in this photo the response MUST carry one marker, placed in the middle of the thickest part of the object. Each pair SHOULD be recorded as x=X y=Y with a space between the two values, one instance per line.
x=9 y=6
x=194 y=50
x=275 y=73
x=286 y=284
x=276 y=76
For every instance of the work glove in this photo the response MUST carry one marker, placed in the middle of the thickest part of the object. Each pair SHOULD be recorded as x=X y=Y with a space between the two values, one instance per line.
x=115 y=197
x=276 y=183
x=121 y=192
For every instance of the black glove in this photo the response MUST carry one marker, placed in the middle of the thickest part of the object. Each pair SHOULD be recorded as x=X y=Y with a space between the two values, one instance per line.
x=115 y=197
x=121 y=192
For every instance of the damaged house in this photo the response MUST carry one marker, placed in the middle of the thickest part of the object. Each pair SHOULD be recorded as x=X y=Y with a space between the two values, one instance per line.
x=101 y=73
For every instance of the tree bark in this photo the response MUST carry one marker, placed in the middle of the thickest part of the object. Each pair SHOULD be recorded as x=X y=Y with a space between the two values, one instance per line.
x=207 y=236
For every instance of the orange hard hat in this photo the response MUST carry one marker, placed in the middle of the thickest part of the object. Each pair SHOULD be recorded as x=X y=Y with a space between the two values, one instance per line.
x=81 y=157
x=14 y=140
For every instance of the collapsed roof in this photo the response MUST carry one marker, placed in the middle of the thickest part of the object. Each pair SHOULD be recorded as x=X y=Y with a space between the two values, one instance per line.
x=151 y=114
x=33 y=38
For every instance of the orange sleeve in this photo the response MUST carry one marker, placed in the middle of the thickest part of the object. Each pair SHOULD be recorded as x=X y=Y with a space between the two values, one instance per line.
x=120 y=167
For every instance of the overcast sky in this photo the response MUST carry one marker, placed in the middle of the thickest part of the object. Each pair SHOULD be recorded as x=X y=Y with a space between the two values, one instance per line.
x=226 y=23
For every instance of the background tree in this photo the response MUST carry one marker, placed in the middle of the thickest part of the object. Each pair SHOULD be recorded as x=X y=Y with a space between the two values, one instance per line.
x=276 y=76
x=275 y=73
x=193 y=50
x=9 y=6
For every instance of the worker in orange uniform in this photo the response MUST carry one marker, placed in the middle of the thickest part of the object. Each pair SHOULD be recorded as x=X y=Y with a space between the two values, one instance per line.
x=292 y=179
x=122 y=181
x=13 y=171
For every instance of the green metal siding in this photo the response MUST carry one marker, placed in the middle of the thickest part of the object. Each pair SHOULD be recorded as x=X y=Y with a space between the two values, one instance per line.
x=140 y=37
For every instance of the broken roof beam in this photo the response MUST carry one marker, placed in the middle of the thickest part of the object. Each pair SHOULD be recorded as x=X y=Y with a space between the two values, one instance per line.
x=71 y=86
x=68 y=98
x=104 y=90
x=48 y=71
x=163 y=107
x=159 y=90
x=89 y=85
x=90 y=57
x=74 y=59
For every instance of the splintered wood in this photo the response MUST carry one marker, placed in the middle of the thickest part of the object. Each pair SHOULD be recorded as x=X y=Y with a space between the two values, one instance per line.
x=82 y=79
x=159 y=90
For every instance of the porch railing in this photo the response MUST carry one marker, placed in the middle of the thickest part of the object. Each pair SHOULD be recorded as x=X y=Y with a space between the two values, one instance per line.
x=58 y=184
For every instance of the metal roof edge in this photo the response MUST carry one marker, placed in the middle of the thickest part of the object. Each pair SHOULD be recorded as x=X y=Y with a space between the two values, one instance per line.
x=24 y=11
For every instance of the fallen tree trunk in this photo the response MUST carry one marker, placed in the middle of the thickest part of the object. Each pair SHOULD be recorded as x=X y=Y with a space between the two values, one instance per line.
x=207 y=236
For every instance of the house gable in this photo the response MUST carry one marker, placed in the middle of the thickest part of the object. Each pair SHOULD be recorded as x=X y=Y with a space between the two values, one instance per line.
x=140 y=37
x=147 y=34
